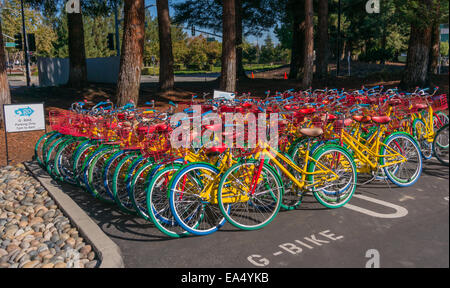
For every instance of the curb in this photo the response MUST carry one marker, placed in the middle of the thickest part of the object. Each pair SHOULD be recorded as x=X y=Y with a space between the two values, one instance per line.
x=108 y=252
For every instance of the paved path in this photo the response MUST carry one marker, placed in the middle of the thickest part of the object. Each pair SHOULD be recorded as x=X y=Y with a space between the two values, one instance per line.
x=401 y=227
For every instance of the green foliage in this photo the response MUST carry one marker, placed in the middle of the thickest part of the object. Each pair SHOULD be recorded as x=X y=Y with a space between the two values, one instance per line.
x=60 y=44
x=257 y=15
x=444 y=48
x=35 y=23
x=249 y=52
x=151 y=47
x=202 y=55
x=271 y=53
x=376 y=54
x=96 y=31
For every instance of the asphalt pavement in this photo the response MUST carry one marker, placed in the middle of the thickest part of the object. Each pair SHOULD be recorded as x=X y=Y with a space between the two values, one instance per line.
x=382 y=226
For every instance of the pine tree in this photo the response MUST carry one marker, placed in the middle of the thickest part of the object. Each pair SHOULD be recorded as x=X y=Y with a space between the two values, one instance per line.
x=228 y=74
x=166 y=76
x=132 y=56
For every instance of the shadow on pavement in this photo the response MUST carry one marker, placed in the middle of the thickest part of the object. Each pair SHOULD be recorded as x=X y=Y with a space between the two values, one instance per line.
x=114 y=223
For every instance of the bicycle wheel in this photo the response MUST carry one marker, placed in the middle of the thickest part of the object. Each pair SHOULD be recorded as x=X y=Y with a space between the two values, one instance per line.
x=87 y=163
x=419 y=132
x=38 y=148
x=95 y=175
x=328 y=190
x=440 y=145
x=50 y=156
x=110 y=168
x=440 y=119
x=293 y=195
x=47 y=145
x=137 y=184
x=119 y=182
x=192 y=194
x=64 y=161
x=81 y=154
x=249 y=203
x=406 y=173
x=158 y=206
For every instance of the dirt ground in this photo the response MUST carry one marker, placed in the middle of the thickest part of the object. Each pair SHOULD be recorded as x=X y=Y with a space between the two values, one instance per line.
x=21 y=145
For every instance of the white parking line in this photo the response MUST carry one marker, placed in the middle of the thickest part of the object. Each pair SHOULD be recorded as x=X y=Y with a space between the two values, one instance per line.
x=400 y=211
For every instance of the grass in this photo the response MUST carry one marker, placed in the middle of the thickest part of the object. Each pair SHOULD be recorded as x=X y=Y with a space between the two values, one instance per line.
x=247 y=67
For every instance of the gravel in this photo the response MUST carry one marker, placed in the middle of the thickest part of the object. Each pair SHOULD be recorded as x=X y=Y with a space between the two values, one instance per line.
x=34 y=233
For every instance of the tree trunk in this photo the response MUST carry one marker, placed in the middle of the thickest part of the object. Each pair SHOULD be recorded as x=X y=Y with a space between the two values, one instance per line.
x=435 y=41
x=239 y=41
x=308 y=63
x=166 y=77
x=132 y=56
x=5 y=95
x=323 y=49
x=416 y=72
x=295 y=53
x=383 y=44
x=296 y=7
x=77 y=52
x=228 y=77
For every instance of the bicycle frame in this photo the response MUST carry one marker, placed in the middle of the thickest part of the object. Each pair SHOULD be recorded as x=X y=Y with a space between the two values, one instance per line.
x=429 y=121
x=360 y=149
x=273 y=154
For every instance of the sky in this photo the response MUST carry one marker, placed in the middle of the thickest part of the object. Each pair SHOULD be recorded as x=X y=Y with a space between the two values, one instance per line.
x=251 y=39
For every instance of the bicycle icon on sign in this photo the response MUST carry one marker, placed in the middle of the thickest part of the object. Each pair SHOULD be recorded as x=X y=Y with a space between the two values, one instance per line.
x=24 y=112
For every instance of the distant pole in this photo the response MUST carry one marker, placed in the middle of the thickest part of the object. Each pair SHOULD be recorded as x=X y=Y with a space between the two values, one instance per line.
x=25 y=41
x=349 y=66
x=338 y=56
x=116 y=19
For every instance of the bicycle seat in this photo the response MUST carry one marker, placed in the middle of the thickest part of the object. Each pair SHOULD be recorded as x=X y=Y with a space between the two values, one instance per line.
x=272 y=110
x=347 y=122
x=381 y=119
x=372 y=100
x=361 y=119
x=420 y=106
x=331 y=117
x=307 y=111
x=291 y=107
x=155 y=128
x=216 y=149
x=311 y=132
x=227 y=109
x=394 y=102
x=127 y=124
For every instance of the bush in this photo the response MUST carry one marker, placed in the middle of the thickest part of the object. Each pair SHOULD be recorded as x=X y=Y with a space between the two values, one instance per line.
x=376 y=54
x=177 y=67
x=444 y=48
x=194 y=67
x=147 y=71
x=207 y=67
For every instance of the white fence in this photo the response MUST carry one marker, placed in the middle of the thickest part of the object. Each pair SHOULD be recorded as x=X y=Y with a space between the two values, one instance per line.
x=55 y=71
